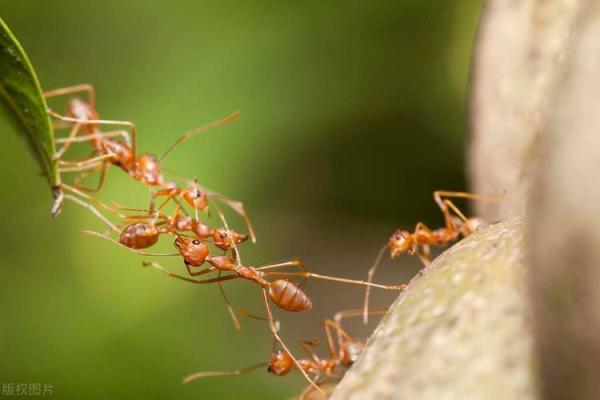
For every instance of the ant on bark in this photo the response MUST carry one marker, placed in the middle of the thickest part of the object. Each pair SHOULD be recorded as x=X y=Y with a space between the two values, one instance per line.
x=146 y=168
x=343 y=350
x=419 y=241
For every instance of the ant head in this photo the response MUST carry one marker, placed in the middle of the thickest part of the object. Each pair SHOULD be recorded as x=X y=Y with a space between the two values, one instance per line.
x=149 y=169
x=350 y=352
x=224 y=238
x=280 y=363
x=474 y=224
x=399 y=243
x=194 y=251
x=195 y=198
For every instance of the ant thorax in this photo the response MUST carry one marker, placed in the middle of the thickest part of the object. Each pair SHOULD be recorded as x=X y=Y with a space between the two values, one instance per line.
x=148 y=170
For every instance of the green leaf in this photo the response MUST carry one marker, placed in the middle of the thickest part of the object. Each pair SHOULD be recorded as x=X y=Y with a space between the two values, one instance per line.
x=25 y=105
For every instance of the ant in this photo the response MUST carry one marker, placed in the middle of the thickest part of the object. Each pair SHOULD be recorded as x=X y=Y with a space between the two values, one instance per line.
x=145 y=168
x=284 y=293
x=343 y=351
x=419 y=241
x=141 y=235
x=144 y=234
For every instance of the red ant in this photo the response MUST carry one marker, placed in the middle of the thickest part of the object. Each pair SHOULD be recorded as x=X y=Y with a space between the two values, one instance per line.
x=419 y=241
x=282 y=292
x=145 y=168
x=141 y=235
x=343 y=352
x=144 y=234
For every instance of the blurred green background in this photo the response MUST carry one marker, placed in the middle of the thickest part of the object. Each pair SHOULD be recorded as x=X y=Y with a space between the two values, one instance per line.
x=352 y=114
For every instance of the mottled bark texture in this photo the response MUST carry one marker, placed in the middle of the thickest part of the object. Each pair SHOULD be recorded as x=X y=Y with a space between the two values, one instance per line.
x=519 y=58
x=459 y=331
x=512 y=312
x=565 y=259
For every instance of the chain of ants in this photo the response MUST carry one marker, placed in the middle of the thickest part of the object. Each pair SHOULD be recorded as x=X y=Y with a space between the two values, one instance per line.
x=141 y=228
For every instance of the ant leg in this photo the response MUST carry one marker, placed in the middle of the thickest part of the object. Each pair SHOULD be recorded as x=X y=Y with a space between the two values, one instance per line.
x=222 y=218
x=241 y=371
x=218 y=280
x=294 y=263
x=333 y=278
x=96 y=135
x=103 y=174
x=57 y=124
x=80 y=169
x=160 y=268
x=131 y=126
x=68 y=141
x=239 y=208
x=305 y=274
x=82 y=175
x=84 y=164
x=84 y=87
x=423 y=252
x=92 y=199
x=356 y=312
x=421 y=249
x=245 y=313
x=171 y=195
x=234 y=317
x=186 y=135
x=438 y=196
x=275 y=333
x=93 y=209
x=307 y=346
x=309 y=389
x=235 y=205
x=370 y=275
x=201 y=272
x=327 y=326
x=141 y=253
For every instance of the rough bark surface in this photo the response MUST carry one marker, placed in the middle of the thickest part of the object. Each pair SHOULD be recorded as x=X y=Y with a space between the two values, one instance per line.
x=518 y=61
x=459 y=331
x=496 y=314
x=565 y=273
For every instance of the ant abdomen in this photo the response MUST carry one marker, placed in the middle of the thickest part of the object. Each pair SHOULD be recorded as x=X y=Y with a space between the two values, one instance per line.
x=287 y=295
x=139 y=236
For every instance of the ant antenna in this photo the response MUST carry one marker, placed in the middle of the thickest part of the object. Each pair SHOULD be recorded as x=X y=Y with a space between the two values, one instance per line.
x=237 y=372
x=141 y=253
x=186 y=135
x=370 y=279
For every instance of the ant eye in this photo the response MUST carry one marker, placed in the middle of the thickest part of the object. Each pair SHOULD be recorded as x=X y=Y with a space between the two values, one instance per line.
x=196 y=242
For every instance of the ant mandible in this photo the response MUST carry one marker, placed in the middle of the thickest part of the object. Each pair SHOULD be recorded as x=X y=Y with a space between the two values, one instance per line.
x=419 y=241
